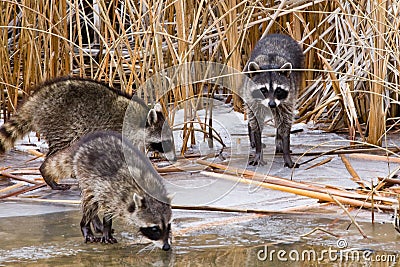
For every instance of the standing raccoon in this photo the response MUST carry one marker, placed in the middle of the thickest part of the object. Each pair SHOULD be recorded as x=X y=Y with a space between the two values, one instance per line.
x=117 y=180
x=65 y=109
x=274 y=69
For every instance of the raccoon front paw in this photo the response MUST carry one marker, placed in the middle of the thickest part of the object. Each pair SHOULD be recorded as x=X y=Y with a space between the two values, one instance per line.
x=89 y=238
x=60 y=186
x=257 y=161
x=108 y=239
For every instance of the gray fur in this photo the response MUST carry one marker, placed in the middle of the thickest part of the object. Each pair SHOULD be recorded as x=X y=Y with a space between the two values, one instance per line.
x=273 y=68
x=111 y=185
x=67 y=108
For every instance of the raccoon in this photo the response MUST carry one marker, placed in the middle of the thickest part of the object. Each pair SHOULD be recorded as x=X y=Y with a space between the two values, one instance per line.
x=64 y=109
x=117 y=180
x=273 y=68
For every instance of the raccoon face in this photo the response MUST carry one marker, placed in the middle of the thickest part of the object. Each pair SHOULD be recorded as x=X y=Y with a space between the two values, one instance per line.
x=153 y=218
x=271 y=87
x=159 y=135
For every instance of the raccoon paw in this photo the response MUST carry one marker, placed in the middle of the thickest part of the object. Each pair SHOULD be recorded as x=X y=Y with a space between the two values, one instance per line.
x=89 y=238
x=292 y=165
x=60 y=186
x=257 y=161
x=108 y=239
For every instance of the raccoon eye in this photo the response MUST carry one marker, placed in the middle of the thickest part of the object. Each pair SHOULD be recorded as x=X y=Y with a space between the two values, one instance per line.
x=264 y=90
x=164 y=146
x=131 y=207
x=153 y=233
x=280 y=93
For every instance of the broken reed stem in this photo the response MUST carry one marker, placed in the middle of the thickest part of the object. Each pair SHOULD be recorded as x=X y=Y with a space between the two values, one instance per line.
x=389 y=181
x=173 y=168
x=372 y=201
x=336 y=200
x=19 y=178
x=223 y=209
x=259 y=177
x=375 y=157
x=322 y=162
x=320 y=229
x=44 y=200
x=31 y=188
x=11 y=187
x=302 y=189
x=352 y=172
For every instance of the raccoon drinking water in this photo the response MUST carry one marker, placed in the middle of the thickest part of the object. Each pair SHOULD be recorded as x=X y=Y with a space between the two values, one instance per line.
x=273 y=68
x=117 y=180
x=64 y=109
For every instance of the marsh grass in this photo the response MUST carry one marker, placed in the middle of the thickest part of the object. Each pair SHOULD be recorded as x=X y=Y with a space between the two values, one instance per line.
x=351 y=47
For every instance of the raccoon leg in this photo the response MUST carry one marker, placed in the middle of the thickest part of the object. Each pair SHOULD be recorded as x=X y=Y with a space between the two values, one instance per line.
x=258 y=158
x=97 y=225
x=255 y=130
x=87 y=231
x=286 y=150
x=251 y=137
x=278 y=142
x=56 y=166
x=89 y=212
x=107 y=230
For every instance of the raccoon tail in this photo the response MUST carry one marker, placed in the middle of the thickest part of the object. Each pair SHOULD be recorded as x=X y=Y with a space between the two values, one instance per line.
x=15 y=128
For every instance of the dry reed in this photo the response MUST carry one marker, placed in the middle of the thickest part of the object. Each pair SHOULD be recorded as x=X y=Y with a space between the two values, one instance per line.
x=351 y=47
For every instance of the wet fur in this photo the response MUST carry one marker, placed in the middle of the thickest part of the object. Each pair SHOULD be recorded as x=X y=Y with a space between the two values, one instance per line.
x=114 y=187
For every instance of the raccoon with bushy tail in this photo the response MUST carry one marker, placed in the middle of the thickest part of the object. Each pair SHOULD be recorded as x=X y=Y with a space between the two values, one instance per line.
x=274 y=68
x=64 y=109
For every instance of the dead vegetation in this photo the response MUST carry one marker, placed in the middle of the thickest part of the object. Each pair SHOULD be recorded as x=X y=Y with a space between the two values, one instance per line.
x=352 y=51
x=351 y=47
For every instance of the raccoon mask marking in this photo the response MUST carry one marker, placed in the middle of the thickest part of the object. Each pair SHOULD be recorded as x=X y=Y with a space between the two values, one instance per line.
x=275 y=89
x=145 y=210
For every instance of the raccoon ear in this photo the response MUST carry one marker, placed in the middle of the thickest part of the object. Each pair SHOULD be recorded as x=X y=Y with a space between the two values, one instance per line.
x=138 y=200
x=157 y=107
x=152 y=117
x=171 y=196
x=286 y=69
x=253 y=66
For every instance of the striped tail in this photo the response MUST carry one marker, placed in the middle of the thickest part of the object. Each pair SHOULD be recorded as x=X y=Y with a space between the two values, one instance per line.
x=14 y=129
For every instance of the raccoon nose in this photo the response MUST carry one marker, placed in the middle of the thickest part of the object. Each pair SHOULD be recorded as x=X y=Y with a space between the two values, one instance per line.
x=272 y=104
x=166 y=247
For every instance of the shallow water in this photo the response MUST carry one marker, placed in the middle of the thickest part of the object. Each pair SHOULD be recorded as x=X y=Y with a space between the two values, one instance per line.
x=54 y=239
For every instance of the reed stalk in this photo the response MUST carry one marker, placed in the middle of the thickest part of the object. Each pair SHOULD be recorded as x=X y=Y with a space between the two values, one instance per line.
x=125 y=42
